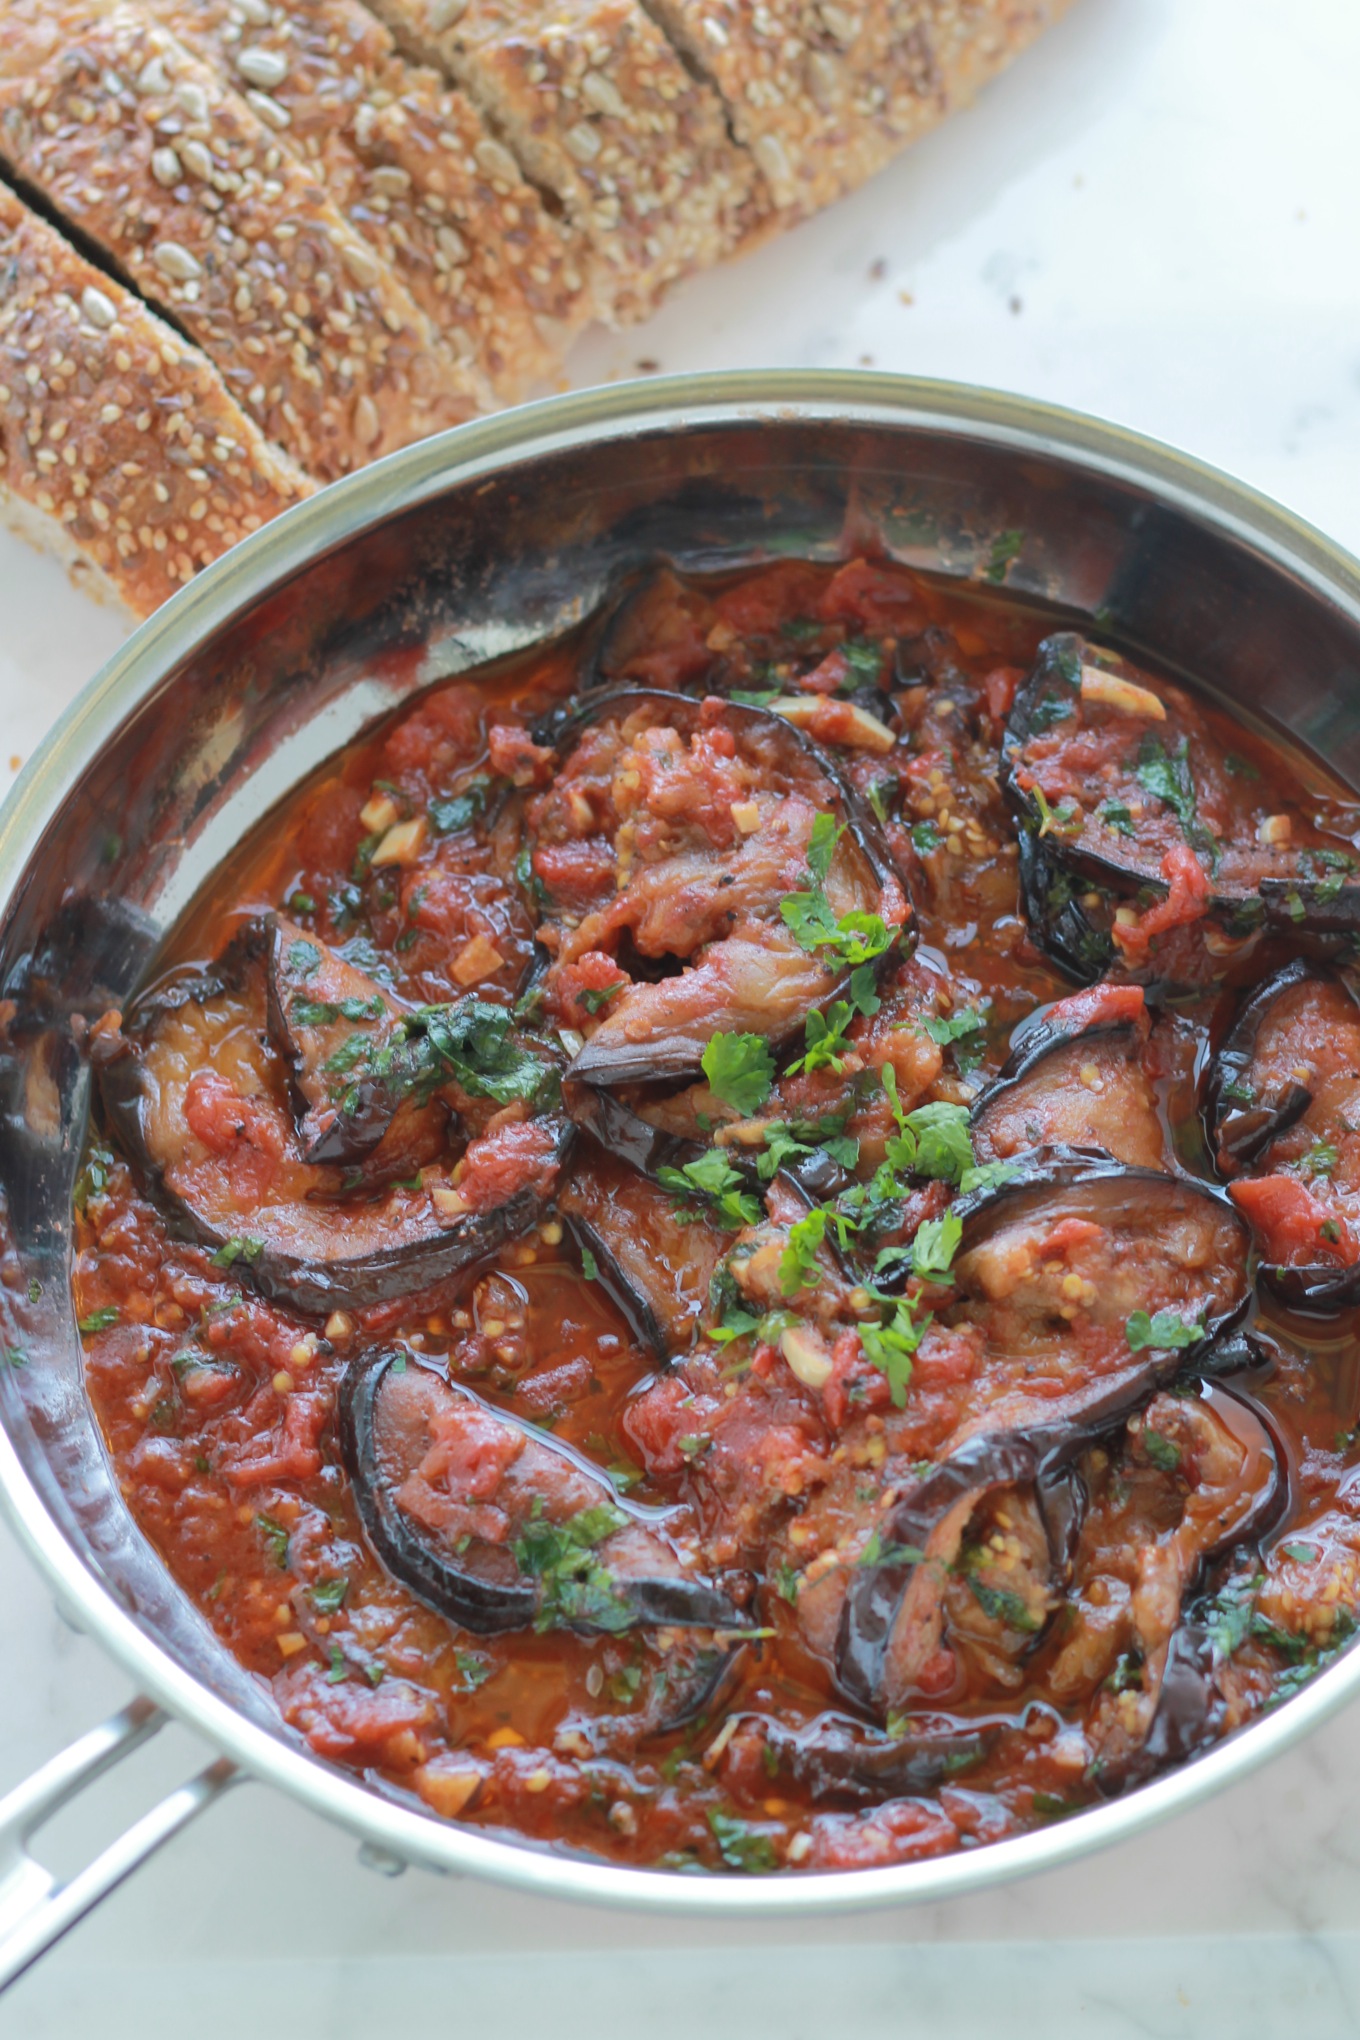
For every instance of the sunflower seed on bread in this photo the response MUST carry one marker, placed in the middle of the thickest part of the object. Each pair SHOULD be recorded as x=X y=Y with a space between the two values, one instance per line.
x=825 y=92
x=395 y=149
x=601 y=111
x=121 y=450
x=308 y=327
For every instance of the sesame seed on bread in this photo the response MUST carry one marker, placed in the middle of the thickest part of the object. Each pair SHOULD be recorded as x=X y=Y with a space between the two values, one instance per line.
x=601 y=111
x=397 y=152
x=825 y=92
x=120 y=448
x=139 y=145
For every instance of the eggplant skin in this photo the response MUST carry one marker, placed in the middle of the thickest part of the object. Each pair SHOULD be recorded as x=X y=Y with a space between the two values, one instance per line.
x=1239 y=1130
x=1306 y=903
x=1191 y=1711
x=840 y=1761
x=491 y=1606
x=484 y=1607
x=312 y=1286
x=607 y=1060
x=1311 y=1290
x=1035 y=1451
x=1051 y=897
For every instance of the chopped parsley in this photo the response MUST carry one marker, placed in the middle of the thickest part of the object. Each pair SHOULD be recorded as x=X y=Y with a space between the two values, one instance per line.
x=890 y=1345
x=925 y=837
x=328 y=1595
x=575 y=1586
x=999 y=1604
x=303 y=958
x=474 y=1669
x=276 y=1540
x=876 y=1552
x=590 y=1267
x=1167 y=776
x=100 y=1320
x=1320 y=1159
x=599 y=996
x=475 y=1042
x=325 y=1012
x=740 y=1071
x=1063 y=820
x=741 y=1845
x=798 y=1262
x=1164 y=1453
x=713 y=1178
x=240 y=1247
x=855 y=937
x=945 y=1032
x=461 y=810
x=93 y=1179
x=825 y=1040
x=1005 y=548
x=1165 y=1332
x=935 y=1244
x=1116 y=817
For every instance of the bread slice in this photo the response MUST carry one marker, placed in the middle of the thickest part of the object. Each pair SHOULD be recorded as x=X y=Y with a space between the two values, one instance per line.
x=602 y=112
x=122 y=451
x=144 y=151
x=825 y=92
x=410 y=165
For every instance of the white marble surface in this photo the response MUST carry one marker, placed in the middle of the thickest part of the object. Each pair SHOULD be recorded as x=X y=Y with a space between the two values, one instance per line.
x=1153 y=218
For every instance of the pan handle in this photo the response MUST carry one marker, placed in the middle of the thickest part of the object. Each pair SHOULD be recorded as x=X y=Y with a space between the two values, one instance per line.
x=35 y=1909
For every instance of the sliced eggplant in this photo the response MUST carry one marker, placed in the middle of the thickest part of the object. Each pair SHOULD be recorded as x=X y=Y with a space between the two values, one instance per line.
x=1068 y=1272
x=1283 y=1108
x=658 y=1265
x=200 y=1100
x=357 y=1077
x=1075 y=1080
x=1198 y=1475
x=1122 y=790
x=838 y=1760
x=1260 y=1081
x=696 y=819
x=642 y=1130
x=497 y=1525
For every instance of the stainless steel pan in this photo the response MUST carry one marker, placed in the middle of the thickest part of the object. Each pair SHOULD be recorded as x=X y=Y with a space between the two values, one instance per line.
x=464 y=547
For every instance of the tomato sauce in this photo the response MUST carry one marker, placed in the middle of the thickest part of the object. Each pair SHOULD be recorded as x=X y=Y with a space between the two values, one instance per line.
x=456 y=853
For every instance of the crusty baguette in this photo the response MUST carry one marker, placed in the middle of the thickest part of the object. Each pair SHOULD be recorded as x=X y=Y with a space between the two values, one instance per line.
x=825 y=92
x=123 y=452
x=139 y=145
x=600 y=110
x=410 y=165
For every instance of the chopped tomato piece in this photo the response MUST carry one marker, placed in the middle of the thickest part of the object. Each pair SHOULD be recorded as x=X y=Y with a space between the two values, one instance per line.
x=1295 y=1227
x=1187 y=900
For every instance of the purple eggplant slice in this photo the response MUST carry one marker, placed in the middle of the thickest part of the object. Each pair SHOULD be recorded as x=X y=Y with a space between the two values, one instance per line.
x=840 y=1761
x=357 y=1077
x=1122 y=790
x=197 y=1095
x=1196 y=1476
x=1283 y=1109
x=657 y=1262
x=499 y=1526
x=1075 y=1080
x=1090 y=1284
x=712 y=852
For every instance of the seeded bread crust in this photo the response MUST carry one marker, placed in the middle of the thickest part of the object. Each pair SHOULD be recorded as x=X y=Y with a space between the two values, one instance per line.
x=825 y=92
x=410 y=165
x=139 y=146
x=122 y=451
x=602 y=112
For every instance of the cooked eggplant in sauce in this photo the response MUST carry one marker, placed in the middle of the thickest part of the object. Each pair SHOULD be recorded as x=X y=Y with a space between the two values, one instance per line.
x=623 y=1276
